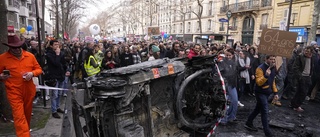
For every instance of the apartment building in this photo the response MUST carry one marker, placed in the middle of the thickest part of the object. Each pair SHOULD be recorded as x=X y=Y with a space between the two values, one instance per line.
x=300 y=19
x=180 y=18
x=22 y=13
x=248 y=18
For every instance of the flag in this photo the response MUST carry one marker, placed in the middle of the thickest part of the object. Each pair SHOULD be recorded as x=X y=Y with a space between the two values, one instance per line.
x=65 y=36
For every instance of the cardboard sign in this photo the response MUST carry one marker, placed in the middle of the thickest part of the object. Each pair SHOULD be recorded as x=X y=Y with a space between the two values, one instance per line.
x=153 y=31
x=277 y=42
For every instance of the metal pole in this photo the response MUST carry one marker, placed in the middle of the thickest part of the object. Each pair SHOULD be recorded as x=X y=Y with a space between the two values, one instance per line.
x=227 y=32
x=57 y=20
x=40 y=52
x=43 y=34
x=289 y=16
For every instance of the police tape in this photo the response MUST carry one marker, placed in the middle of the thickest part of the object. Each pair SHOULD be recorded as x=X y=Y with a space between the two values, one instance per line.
x=47 y=87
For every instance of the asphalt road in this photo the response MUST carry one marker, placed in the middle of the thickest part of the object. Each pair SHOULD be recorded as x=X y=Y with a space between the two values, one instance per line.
x=284 y=121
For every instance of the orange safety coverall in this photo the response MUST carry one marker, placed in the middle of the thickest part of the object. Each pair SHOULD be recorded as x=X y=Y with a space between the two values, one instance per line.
x=20 y=92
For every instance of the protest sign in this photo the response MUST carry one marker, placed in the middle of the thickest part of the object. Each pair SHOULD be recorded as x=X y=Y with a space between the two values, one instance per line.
x=153 y=31
x=277 y=42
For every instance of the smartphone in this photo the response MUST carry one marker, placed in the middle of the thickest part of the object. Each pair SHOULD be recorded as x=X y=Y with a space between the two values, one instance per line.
x=6 y=72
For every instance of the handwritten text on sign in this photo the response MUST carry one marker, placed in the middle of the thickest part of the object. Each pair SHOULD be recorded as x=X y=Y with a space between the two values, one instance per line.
x=277 y=42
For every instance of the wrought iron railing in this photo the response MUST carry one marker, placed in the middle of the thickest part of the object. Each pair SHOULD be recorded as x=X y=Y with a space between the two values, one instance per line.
x=247 y=5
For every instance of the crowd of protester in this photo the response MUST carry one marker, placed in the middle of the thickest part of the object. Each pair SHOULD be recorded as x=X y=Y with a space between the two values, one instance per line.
x=83 y=59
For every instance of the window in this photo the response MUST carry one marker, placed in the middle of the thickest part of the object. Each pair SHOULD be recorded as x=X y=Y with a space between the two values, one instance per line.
x=174 y=15
x=30 y=22
x=10 y=2
x=285 y=15
x=210 y=8
x=181 y=27
x=167 y=17
x=221 y=28
x=234 y=22
x=29 y=7
x=12 y=19
x=198 y=27
x=209 y=24
x=189 y=16
x=264 y=19
x=174 y=28
x=166 y=28
x=189 y=26
x=22 y=21
x=23 y=3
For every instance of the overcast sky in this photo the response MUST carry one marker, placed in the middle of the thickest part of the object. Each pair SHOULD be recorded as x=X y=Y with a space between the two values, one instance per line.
x=94 y=10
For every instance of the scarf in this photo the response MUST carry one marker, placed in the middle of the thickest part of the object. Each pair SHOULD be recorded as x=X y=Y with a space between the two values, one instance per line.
x=245 y=73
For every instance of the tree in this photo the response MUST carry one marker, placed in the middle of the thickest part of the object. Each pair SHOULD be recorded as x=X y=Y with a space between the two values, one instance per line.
x=183 y=10
x=199 y=14
x=5 y=108
x=315 y=20
x=71 y=12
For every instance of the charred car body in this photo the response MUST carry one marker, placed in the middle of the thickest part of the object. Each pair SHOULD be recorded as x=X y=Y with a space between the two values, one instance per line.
x=157 y=98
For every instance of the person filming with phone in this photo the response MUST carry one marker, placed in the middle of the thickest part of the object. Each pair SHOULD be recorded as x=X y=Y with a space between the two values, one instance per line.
x=17 y=68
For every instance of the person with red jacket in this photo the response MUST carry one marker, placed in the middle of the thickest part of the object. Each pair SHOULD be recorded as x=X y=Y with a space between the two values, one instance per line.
x=17 y=68
x=194 y=51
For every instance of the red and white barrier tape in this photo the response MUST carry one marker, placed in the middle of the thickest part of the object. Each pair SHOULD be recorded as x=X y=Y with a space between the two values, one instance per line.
x=225 y=106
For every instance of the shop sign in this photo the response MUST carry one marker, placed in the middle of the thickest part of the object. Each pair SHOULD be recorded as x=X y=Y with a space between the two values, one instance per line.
x=300 y=31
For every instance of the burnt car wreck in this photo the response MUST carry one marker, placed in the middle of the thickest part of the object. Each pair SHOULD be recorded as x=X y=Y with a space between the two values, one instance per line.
x=164 y=97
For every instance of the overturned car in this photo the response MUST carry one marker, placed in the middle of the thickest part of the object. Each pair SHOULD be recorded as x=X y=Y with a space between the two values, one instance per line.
x=164 y=97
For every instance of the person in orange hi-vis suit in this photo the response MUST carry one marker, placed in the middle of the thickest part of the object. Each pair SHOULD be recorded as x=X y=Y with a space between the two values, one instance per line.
x=17 y=68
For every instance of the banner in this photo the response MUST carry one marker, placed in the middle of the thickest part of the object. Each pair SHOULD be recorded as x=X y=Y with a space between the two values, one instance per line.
x=153 y=31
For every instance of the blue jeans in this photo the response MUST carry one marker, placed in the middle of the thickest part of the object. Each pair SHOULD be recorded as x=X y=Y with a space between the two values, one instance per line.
x=233 y=107
x=262 y=108
x=55 y=97
x=65 y=85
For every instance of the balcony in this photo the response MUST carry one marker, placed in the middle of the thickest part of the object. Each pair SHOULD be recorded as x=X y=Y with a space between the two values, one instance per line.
x=263 y=26
x=221 y=28
x=14 y=6
x=246 y=6
x=234 y=28
x=24 y=11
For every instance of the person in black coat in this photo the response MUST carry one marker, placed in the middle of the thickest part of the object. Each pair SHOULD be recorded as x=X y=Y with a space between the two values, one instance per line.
x=56 y=70
x=174 y=52
x=126 y=58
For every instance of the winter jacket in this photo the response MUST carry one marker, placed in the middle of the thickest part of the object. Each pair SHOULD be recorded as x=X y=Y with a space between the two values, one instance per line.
x=56 y=65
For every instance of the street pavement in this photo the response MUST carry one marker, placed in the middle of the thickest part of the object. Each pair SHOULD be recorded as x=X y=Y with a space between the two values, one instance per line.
x=62 y=127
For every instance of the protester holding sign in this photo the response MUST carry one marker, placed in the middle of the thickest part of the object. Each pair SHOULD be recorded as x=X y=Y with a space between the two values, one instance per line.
x=277 y=42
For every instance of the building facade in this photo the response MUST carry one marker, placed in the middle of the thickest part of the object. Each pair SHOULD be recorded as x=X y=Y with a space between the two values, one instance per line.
x=300 y=19
x=22 y=13
x=180 y=18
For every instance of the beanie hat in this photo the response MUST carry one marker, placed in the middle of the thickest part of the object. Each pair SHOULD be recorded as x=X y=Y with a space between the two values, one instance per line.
x=155 y=48
x=313 y=43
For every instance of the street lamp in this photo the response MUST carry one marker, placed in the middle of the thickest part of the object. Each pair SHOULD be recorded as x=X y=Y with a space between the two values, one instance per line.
x=228 y=14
